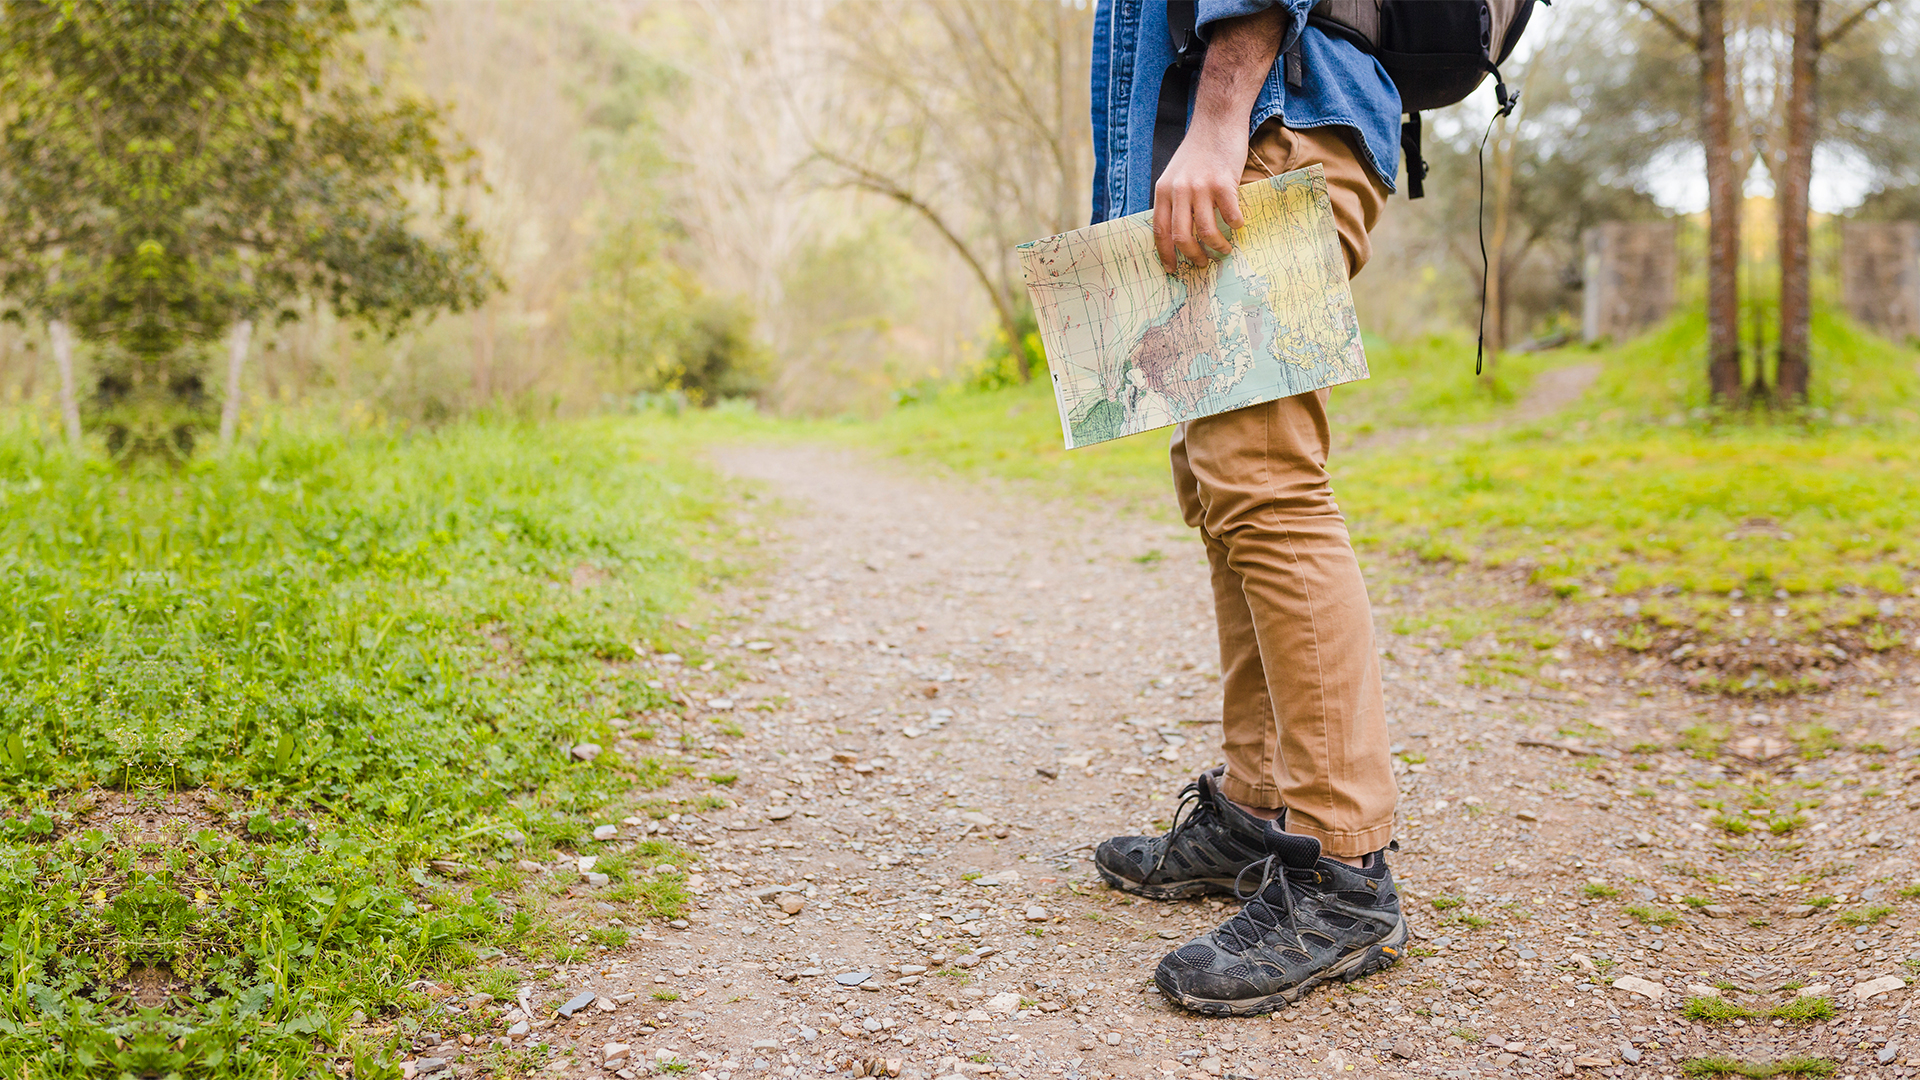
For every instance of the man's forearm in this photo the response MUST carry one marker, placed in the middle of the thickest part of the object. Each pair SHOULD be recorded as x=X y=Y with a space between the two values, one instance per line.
x=1200 y=187
x=1240 y=54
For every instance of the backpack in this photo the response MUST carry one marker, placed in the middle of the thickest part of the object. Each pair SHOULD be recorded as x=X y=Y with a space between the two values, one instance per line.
x=1435 y=51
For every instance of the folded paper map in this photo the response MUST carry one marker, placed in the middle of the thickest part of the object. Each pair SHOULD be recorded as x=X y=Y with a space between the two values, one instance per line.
x=1132 y=347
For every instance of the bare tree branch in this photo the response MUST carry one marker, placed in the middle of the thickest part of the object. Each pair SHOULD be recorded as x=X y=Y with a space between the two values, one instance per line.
x=1691 y=39
x=1847 y=24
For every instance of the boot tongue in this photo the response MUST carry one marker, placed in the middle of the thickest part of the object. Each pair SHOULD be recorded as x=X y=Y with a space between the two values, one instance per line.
x=1298 y=852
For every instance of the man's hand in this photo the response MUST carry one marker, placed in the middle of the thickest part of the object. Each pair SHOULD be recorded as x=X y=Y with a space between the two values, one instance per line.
x=1201 y=184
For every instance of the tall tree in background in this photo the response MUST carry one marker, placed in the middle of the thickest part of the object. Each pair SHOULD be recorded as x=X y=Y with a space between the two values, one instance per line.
x=1793 y=180
x=972 y=114
x=172 y=172
x=1724 y=176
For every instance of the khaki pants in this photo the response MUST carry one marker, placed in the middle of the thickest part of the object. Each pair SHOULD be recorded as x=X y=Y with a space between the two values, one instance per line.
x=1304 y=725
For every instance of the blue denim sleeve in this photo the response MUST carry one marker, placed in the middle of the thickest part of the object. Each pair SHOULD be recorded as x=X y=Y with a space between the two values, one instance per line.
x=1102 y=108
x=1212 y=11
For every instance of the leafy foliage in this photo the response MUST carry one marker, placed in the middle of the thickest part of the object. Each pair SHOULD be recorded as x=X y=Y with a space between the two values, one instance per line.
x=277 y=727
x=168 y=169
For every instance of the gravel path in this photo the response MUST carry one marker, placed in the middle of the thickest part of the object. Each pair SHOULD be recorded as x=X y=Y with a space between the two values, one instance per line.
x=955 y=691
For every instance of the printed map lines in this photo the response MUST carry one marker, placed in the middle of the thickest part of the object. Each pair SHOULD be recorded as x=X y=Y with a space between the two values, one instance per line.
x=1131 y=347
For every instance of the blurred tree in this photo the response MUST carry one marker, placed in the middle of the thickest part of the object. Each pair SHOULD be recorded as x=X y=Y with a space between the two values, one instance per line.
x=971 y=114
x=1793 y=173
x=171 y=172
x=1726 y=171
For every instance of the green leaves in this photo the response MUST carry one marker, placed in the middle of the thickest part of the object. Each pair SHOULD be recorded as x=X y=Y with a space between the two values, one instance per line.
x=172 y=169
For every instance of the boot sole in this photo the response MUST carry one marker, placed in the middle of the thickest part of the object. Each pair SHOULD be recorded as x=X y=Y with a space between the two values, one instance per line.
x=1178 y=890
x=1374 y=958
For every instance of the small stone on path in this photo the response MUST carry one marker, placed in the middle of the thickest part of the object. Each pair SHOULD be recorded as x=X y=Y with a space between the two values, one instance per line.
x=1646 y=988
x=1875 y=987
x=585 y=751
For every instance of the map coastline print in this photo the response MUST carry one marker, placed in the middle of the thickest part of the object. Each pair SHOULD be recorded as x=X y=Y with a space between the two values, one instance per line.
x=1132 y=348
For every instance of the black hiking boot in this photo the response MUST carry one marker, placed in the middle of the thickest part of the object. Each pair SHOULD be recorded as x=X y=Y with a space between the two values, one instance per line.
x=1205 y=851
x=1311 y=921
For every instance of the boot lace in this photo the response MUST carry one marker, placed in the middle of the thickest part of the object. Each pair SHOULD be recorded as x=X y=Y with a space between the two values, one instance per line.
x=1260 y=917
x=1196 y=807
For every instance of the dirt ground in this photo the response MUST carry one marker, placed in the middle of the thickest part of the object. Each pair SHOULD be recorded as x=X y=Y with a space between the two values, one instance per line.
x=957 y=690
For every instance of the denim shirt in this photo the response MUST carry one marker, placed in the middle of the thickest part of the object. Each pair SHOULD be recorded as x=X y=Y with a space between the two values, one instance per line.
x=1340 y=85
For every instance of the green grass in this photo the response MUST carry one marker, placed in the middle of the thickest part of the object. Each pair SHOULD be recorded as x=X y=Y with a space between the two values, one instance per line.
x=344 y=673
x=1593 y=890
x=1653 y=916
x=1800 y=1010
x=1866 y=916
x=1757 y=1070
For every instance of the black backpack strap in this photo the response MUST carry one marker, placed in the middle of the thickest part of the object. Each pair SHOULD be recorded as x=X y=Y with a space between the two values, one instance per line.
x=1176 y=85
x=1410 y=149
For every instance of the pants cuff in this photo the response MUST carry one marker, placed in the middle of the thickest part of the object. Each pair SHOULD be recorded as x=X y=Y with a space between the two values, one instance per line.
x=1260 y=796
x=1346 y=844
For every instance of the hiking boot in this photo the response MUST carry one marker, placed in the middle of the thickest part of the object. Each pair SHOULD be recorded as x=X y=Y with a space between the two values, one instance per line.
x=1212 y=841
x=1311 y=921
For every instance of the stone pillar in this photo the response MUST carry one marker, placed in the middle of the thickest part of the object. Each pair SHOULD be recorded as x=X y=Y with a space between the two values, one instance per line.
x=1629 y=275
x=1880 y=275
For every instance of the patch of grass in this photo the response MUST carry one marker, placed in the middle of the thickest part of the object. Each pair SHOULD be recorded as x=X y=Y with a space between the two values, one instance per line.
x=1473 y=922
x=1466 y=1034
x=1866 y=916
x=1704 y=740
x=1653 y=916
x=1822 y=902
x=1803 y=1010
x=1800 y=1010
x=1446 y=903
x=363 y=659
x=1910 y=892
x=1593 y=890
x=1757 y=1070
x=1731 y=824
x=1696 y=902
x=1713 y=1010
x=1814 y=739
x=666 y=995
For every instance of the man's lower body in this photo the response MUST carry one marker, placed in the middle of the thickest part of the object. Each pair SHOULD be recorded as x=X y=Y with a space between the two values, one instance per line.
x=1303 y=809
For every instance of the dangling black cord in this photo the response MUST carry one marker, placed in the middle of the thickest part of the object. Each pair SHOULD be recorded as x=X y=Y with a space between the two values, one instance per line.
x=1507 y=104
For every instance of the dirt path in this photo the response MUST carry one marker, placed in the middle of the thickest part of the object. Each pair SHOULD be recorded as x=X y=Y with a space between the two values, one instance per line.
x=968 y=687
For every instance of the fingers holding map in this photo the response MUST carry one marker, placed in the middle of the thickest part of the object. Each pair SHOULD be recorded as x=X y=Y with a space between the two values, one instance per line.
x=1132 y=348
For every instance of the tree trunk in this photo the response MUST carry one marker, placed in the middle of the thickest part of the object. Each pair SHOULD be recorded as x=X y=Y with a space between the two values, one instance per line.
x=239 y=336
x=1796 y=175
x=61 y=338
x=1723 y=208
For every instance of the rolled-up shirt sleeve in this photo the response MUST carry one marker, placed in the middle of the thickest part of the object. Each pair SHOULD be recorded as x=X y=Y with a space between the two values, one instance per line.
x=1213 y=11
